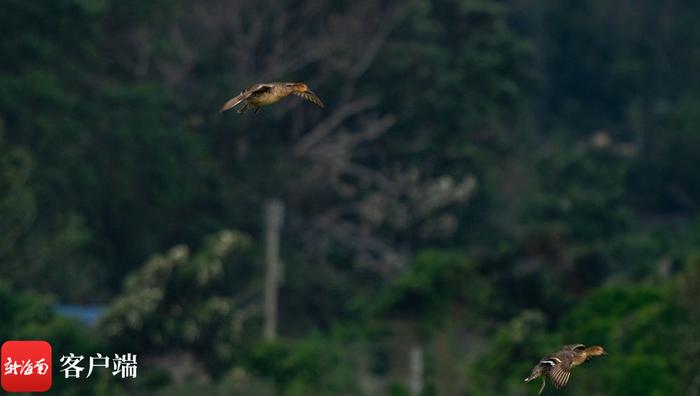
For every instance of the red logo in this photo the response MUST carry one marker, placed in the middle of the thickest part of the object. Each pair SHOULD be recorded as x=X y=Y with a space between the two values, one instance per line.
x=26 y=366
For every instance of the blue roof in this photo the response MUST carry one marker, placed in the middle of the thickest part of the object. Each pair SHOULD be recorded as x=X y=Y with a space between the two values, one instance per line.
x=87 y=314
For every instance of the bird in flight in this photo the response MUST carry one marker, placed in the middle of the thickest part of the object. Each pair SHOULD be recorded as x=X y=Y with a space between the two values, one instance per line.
x=559 y=364
x=268 y=93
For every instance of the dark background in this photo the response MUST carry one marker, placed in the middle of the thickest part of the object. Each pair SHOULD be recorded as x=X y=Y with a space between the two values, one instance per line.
x=489 y=180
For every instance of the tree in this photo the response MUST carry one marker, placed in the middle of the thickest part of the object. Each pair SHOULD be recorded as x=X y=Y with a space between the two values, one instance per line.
x=199 y=304
x=30 y=316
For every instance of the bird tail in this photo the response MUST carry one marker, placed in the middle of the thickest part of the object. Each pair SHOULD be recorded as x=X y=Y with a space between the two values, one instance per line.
x=536 y=372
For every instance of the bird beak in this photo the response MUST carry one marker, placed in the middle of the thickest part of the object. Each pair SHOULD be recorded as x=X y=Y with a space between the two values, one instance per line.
x=606 y=354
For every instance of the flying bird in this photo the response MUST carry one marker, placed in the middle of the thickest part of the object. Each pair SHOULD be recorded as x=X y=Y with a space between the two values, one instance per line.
x=268 y=93
x=559 y=364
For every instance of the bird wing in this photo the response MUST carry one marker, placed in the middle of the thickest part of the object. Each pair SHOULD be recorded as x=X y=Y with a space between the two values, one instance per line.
x=311 y=97
x=560 y=376
x=560 y=370
x=235 y=101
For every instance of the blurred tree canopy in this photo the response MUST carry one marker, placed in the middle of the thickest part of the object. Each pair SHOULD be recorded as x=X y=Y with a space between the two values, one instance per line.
x=490 y=179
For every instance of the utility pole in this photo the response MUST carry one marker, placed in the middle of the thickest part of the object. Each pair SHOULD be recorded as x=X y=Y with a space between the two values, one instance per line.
x=415 y=369
x=273 y=217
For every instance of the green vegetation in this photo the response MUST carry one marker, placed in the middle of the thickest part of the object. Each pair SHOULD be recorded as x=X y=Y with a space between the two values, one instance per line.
x=491 y=179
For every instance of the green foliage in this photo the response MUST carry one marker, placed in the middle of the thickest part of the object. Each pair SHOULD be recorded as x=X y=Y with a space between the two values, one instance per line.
x=315 y=366
x=236 y=382
x=688 y=294
x=637 y=326
x=28 y=316
x=17 y=204
x=618 y=80
x=511 y=353
x=183 y=301
x=583 y=193
x=436 y=282
x=43 y=254
x=664 y=180
x=101 y=145
x=469 y=67
x=577 y=220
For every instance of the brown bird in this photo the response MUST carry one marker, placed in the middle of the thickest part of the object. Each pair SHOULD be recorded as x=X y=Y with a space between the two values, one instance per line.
x=559 y=364
x=268 y=93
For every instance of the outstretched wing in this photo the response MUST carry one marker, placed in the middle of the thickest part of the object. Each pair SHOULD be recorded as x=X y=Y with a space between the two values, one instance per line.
x=560 y=375
x=311 y=97
x=255 y=89
x=557 y=367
